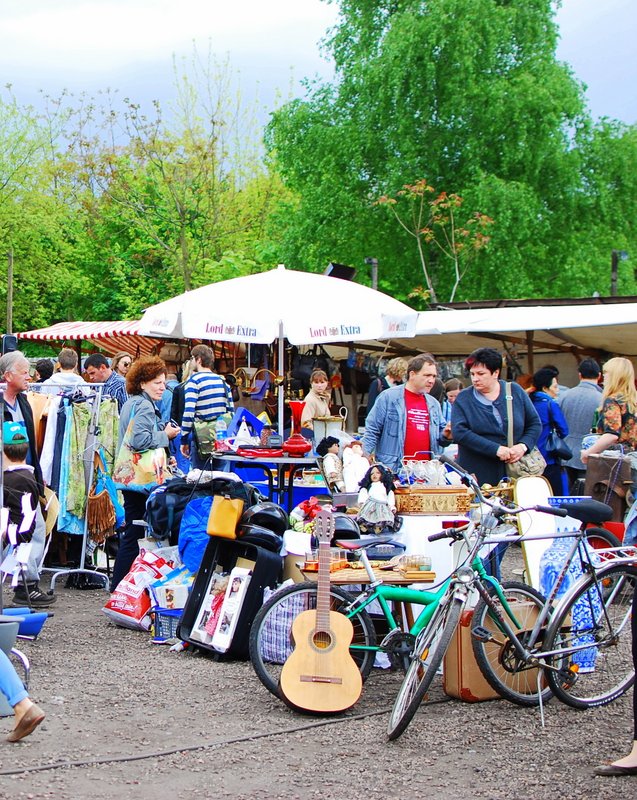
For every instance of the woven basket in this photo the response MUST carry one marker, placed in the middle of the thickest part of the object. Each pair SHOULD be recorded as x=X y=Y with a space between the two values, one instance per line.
x=432 y=499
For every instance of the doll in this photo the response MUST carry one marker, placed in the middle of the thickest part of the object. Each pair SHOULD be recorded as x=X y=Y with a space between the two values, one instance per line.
x=376 y=500
x=332 y=465
x=355 y=465
x=217 y=594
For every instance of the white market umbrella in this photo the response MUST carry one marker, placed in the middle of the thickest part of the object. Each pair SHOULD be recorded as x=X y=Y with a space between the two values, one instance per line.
x=302 y=307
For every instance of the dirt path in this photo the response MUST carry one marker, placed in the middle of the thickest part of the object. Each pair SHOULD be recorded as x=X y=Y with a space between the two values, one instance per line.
x=110 y=694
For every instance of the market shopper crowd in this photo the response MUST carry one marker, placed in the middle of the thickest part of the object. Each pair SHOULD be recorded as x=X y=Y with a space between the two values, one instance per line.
x=404 y=421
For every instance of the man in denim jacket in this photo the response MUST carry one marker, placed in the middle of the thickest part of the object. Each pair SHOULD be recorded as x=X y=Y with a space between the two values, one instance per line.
x=406 y=421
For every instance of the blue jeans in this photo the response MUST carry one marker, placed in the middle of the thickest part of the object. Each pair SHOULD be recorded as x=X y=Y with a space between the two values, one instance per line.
x=10 y=684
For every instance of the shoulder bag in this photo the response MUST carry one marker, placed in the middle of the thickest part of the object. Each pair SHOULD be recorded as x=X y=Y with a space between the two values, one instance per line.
x=556 y=447
x=136 y=471
x=531 y=463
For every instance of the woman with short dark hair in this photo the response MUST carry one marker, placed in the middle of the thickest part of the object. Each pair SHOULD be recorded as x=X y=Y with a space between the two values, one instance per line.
x=543 y=396
x=479 y=419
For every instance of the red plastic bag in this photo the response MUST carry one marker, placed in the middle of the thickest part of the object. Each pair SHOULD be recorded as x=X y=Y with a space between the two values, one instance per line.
x=130 y=603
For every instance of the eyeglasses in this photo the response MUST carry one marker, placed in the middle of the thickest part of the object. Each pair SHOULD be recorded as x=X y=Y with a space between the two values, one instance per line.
x=125 y=363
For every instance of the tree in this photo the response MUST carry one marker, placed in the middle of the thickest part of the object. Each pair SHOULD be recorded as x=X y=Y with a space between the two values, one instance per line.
x=170 y=205
x=467 y=92
x=434 y=224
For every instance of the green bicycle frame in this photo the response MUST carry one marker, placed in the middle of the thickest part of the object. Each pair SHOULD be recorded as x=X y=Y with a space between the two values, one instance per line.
x=386 y=593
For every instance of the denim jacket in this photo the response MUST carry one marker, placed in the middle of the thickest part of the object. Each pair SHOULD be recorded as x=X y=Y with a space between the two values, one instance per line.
x=386 y=426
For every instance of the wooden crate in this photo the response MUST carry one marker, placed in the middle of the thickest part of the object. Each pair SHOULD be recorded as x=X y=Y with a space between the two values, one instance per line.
x=432 y=499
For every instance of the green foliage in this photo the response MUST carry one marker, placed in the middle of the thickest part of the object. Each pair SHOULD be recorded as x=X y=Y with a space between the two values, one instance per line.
x=470 y=94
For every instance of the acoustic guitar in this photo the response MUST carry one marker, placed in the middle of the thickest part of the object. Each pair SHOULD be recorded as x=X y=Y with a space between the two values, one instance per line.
x=320 y=676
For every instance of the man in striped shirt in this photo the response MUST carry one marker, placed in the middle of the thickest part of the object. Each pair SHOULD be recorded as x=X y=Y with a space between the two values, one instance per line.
x=207 y=397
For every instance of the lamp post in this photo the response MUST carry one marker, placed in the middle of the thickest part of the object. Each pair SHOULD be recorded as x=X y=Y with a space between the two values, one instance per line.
x=373 y=263
x=615 y=257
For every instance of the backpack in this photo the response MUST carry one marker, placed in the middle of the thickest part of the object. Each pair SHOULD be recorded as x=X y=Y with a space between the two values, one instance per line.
x=166 y=503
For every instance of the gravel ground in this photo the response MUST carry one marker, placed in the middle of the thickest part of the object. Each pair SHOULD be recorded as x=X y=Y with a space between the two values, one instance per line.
x=128 y=719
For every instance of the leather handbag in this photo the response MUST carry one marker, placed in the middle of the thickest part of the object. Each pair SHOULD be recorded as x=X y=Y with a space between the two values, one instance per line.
x=557 y=448
x=531 y=463
x=224 y=516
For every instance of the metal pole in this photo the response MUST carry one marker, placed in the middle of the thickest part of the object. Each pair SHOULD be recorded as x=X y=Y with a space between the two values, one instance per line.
x=281 y=373
x=373 y=263
x=9 y=292
x=614 y=262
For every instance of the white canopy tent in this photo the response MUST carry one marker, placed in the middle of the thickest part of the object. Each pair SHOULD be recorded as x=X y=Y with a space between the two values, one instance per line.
x=303 y=307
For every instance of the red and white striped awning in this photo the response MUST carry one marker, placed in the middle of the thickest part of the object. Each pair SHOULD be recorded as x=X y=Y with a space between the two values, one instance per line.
x=111 y=337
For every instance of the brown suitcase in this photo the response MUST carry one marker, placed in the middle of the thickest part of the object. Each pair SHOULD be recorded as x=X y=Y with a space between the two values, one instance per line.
x=462 y=678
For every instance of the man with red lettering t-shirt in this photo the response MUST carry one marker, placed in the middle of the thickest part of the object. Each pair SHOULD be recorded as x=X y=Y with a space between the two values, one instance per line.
x=406 y=421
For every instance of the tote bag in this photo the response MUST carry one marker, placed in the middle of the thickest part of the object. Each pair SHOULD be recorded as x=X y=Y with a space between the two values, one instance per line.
x=136 y=471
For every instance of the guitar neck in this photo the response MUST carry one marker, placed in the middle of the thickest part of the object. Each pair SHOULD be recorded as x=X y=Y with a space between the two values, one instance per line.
x=323 y=588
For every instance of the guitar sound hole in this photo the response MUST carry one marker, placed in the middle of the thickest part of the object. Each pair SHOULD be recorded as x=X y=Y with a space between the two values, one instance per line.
x=322 y=640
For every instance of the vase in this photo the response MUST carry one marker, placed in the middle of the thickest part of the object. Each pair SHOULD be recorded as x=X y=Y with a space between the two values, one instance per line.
x=587 y=608
x=296 y=445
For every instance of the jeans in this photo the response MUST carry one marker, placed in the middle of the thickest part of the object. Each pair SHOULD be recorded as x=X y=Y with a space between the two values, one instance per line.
x=38 y=542
x=134 y=509
x=10 y=684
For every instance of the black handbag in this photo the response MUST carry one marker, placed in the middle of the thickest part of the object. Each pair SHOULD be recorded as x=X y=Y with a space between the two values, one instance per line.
x=557 y=448
x=303 y=364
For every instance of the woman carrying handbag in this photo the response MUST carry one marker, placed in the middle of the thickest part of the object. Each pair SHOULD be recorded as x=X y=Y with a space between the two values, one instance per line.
x=554 y=428
x=142 y=461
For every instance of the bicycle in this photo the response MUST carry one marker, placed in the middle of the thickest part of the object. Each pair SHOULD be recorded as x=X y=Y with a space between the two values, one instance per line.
x=528 y=658
x=270 y=641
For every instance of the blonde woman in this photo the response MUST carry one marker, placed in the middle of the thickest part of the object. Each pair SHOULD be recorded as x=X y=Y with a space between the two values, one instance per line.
x=617 y=423
x=394 y=375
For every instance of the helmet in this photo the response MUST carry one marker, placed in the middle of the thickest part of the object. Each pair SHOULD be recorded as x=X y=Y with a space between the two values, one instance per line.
x=262 y=537
x=345 y=526
x=269 y=515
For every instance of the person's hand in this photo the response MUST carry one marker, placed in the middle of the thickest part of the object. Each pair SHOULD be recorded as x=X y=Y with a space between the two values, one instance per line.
x=185 y=450
x=516 y=452
x=584 y=456
x=172 y=430
x=446 y=431
x=503 y=453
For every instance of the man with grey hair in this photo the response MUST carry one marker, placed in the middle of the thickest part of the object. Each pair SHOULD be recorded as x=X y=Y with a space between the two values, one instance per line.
x=67 y=376
x=14 y=371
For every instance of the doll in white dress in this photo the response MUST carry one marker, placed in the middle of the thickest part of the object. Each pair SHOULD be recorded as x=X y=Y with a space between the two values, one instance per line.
x=376 y=500
x=355 y=466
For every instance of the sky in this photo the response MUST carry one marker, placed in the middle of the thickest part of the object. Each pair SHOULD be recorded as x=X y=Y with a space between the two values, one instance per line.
x=129 y=45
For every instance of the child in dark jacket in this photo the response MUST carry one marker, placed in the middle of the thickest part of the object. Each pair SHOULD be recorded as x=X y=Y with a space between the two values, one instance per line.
x=21 y=497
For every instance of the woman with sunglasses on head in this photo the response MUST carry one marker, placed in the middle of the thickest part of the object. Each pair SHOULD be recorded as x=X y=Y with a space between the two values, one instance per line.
x=121 y=363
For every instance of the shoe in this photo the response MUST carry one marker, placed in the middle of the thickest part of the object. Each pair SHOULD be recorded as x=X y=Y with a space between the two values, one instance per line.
x=36 y=598
x=28 y=723
x=615 y=770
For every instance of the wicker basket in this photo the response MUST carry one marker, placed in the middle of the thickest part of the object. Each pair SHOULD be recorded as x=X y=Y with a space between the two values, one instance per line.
x=432 y=499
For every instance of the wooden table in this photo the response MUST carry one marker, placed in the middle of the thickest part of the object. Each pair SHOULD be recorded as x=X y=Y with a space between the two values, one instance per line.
x=343 y=577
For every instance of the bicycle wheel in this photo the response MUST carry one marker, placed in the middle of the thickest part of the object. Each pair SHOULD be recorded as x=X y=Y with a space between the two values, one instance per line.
x=270 y=634
x=429 y=650
x=601 y=539
x=581 y=676
x=510 y=676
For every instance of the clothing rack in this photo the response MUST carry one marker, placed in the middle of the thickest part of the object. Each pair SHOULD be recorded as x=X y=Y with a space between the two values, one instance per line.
x=88 y=456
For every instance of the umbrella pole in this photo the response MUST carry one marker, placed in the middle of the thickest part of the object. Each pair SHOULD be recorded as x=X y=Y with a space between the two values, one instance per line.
x=281 y=394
